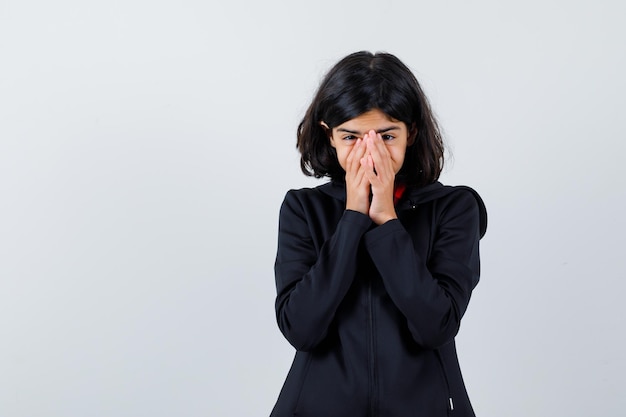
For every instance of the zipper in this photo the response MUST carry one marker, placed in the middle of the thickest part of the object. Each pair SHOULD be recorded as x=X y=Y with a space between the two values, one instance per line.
x=450 y=401
x=373 y=385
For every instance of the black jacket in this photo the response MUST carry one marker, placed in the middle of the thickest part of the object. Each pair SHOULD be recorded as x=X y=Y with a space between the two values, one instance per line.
x=373 y=310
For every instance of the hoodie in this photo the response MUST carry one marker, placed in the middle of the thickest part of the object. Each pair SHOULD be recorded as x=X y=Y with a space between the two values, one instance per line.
x=373 y=311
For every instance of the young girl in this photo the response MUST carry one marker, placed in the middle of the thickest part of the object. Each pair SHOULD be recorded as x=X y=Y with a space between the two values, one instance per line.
x=375 y=268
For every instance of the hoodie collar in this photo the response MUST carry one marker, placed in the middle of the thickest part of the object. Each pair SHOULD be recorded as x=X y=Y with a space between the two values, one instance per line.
x=414 y=196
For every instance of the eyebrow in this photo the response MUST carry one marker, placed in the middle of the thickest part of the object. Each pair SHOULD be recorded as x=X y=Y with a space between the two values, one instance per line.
x=355 y=132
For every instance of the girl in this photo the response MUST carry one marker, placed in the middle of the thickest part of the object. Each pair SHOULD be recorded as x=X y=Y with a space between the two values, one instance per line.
x=374 y=269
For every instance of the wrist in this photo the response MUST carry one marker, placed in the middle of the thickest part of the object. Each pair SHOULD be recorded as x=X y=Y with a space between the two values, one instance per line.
x=361 y=207
x=383 y=219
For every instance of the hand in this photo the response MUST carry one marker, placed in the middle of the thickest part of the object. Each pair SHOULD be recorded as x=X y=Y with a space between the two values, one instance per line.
x=380 y=174
x=357 y=184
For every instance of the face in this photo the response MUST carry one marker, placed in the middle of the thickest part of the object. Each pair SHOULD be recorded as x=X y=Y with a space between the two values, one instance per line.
x=395 y=134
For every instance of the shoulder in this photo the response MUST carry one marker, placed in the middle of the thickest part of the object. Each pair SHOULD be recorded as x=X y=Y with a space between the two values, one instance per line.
x=461 y=193
x=310 y=211
x=464 y=201
x=329 y=190
x=325 y=198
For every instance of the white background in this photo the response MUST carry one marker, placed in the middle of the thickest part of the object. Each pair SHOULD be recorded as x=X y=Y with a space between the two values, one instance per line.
x=146 y=146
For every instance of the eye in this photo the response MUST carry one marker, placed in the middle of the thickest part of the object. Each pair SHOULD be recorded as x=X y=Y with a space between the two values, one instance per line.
x=349 y=137
x=387 y=137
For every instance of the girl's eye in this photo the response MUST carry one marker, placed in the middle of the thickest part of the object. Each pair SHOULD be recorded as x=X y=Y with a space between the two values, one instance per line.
x=387 y=137
x=349 y=137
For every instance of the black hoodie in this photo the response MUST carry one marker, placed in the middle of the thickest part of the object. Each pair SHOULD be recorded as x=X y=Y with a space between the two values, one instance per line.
x=373 y=310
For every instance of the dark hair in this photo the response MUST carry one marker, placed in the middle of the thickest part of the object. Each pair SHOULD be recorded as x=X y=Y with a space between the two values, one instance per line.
x=361 y=82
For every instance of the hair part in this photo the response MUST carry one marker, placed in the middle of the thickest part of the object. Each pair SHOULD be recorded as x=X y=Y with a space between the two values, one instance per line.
x=361 y=82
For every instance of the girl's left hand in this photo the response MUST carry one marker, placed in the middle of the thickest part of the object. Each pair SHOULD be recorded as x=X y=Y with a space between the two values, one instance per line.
x=381 y=175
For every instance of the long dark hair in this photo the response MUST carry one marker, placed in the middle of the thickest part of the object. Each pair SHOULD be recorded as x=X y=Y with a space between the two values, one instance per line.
x=361 y=82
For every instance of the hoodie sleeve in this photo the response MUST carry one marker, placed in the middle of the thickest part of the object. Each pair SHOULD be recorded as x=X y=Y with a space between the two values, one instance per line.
x=433 y=293
x=311 y=282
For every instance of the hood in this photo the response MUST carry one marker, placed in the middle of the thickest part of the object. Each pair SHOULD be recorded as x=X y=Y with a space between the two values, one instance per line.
x=417 y=195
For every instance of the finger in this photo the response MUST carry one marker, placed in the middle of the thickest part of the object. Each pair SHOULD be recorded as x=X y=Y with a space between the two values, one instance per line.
x=378 y=159
x=372 y=153
x=376 y=144
x=369 y=139
x=372 y=147
x=381 y=155
x=363 y=164
x=368 y=167
x=361 y=150
x=356 y=153
x=381 y=147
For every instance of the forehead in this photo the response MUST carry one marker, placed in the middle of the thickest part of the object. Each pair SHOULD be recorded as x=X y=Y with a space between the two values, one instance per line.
x=372 y=119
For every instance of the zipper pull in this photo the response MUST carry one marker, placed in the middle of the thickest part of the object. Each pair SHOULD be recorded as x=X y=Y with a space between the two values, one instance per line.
x=451 y=404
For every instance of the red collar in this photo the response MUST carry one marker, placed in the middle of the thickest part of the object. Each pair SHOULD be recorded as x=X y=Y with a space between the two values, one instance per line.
x=398 y=192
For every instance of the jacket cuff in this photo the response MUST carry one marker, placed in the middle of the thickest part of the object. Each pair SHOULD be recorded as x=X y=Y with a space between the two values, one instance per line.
x=359 y=220
x=379 y=233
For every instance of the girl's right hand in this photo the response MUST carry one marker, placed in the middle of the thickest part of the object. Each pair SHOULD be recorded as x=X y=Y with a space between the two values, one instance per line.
x=357 y=184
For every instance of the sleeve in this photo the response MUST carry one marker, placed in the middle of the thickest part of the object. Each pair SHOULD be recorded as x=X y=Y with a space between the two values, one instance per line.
x=433 y=293
x=310 y=282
